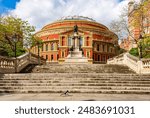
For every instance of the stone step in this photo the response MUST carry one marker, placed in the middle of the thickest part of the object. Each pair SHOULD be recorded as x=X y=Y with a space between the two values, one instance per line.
x=73 y=82
x=78 y=79
x=79 y=91
x=77 y=84
x=73 y=75
x=82 y=68
x=76 y=73
x=90 y=88
x=75 y=79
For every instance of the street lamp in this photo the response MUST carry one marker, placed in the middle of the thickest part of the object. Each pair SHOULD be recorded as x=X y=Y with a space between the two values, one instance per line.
x=38 y=44
x=15 y=44
x=14 y=38
x=115 y=49
x=140 y=46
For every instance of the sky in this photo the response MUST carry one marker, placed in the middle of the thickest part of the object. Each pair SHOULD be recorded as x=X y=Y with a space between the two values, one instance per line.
x=42 y=12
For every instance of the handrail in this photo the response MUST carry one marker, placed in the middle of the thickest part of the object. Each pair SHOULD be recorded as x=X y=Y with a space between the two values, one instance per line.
x=139 y=66
x=132 y=57
x=11 y=65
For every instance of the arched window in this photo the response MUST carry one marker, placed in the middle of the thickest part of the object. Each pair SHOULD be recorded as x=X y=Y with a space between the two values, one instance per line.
x=108 y=57
x=46 y=57
x=98 y=57
x=46 y=47
x=103 y=58
x=69 y=41
x=63 y=41
x=52 y=58
x=81 y=41
x=63 y=54
x=107 y=48
x=103 y=48
x=97 y=47
x=57 y=56
x=87 y=41
x=55 y=46
x=88 y=54
x=52 y=46
x=42 y=47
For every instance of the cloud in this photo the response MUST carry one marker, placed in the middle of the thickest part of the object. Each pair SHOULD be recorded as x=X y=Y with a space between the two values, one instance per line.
x=42 y=12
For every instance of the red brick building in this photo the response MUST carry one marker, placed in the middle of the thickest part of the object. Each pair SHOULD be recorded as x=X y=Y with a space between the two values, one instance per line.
x=96 y=41
x=138 y=21
x=125 y=44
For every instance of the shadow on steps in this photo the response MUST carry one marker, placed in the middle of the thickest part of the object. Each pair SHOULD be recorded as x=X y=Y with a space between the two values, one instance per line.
x=28 y=69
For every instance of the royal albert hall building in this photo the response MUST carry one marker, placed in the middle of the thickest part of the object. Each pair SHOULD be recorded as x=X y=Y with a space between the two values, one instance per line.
x=95 y=40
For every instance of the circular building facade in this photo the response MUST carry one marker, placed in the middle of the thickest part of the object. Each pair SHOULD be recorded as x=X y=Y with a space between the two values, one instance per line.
x=71 y=35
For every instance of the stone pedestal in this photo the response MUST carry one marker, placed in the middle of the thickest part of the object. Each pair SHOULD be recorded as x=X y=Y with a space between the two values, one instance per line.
x=76 y=41
x=76 y=56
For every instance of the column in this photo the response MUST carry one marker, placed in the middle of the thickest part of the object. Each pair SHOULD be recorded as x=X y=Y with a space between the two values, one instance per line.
x=83 y=42
x=73 y=42
x=76 y=42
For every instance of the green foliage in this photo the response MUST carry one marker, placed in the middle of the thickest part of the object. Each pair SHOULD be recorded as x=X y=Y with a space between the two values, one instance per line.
x=134 y=52
x=36 y=41
x=147 y=56
x=10 y=27
x=120 y=51
x=145 y=46
x=145 y=43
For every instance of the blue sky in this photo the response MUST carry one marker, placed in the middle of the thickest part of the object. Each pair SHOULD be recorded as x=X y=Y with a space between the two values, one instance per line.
x=41 y=12
x=11 y=4
x=7 y=5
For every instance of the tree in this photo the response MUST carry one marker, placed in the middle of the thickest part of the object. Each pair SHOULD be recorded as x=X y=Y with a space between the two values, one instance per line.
x=120 y=25
x=36 y=41
x=131 y=20
x=146 y=46
x=133 y=23
x=10 y=26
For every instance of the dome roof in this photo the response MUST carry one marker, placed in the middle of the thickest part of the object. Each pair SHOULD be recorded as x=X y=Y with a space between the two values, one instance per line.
x=66 y=24
x=76 y=18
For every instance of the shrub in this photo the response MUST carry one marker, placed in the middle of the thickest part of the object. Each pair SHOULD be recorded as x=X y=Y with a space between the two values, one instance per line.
x=134 y=52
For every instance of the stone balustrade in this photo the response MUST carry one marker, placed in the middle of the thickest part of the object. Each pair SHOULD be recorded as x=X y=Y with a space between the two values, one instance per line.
x=146 y=65
x=139 y=66
x=6 y=64
x=11 y=65
x=117 y=59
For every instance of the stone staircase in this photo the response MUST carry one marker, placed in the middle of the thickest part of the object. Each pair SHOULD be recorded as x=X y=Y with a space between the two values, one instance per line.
x=56 y=78
x=75 y=83
x=82 y=68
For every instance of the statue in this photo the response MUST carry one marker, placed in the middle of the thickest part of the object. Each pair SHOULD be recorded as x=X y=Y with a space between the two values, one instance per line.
x=75 y=28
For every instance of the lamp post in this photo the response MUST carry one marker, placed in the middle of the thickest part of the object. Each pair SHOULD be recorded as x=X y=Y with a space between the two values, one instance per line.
x=115 y=50
x=15 y=50
x=38 y=44
x=15 y=44
x=140 y=47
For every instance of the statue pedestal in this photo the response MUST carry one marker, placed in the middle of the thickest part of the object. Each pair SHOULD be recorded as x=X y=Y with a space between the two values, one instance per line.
x=76 y=57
